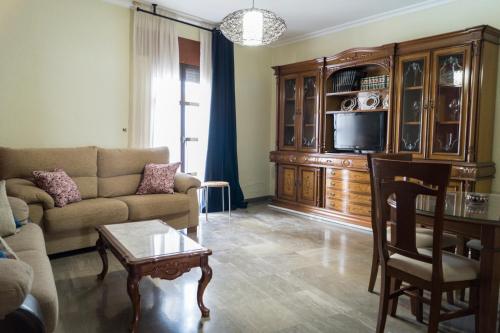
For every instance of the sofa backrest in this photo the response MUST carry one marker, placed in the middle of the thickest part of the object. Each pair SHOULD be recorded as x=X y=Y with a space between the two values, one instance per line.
x=120 y=170
x=79 y=163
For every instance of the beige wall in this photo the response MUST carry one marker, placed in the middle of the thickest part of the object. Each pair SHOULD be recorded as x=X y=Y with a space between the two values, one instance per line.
x=456 y=15
x=64 y=73
x=64 y=81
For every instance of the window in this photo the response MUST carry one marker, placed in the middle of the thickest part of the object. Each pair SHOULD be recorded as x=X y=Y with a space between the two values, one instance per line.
x=194 y=117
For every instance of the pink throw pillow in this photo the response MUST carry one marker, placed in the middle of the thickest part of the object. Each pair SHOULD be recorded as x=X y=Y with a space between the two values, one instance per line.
x=59 y=185
x=158 y=178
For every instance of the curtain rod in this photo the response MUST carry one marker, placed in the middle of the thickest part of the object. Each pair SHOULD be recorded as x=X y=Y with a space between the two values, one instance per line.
x=154 y=13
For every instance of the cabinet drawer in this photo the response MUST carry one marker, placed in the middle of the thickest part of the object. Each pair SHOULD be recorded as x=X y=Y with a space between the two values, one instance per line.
x=357 y=176
x=342 y=185
x=360 y=210
x=331 y=194
x=337 y=205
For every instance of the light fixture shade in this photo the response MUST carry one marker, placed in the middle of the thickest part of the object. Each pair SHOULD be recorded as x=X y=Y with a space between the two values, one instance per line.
x=252 y=27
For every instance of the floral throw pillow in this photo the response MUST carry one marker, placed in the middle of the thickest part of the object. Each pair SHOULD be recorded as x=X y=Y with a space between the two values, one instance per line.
x=59 y=185
x=158 y=178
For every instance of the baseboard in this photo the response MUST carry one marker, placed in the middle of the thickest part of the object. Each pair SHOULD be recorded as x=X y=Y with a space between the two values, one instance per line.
x=320 y=219
x=265 y=198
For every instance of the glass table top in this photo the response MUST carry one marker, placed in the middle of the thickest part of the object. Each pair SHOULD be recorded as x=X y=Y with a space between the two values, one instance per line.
x=148 y=239
x=459 y=208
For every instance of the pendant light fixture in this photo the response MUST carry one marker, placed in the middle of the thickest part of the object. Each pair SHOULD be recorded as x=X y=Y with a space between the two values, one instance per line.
x=252 y=26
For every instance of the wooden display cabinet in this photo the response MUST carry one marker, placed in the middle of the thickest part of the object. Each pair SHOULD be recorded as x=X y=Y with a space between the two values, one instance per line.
x=440 y=104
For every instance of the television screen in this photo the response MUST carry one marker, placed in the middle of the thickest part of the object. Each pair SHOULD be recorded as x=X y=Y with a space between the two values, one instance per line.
x=359 y=131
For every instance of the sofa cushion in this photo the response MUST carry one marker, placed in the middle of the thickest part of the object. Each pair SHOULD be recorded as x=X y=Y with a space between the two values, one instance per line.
x=119 y=186
x=85 y=214
x=119 y=162
x=158 y=178
x=59 y=185
x=28 y=237
x=15 y=284
x=43 y=288
x=149 y=206
x=120 y=170
x=79 y=163
x=20 y=163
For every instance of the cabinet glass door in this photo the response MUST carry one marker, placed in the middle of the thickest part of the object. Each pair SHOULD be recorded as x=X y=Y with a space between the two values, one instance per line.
x=449 y=103
x=288 y=138
x=309 y=112
x=412 y=104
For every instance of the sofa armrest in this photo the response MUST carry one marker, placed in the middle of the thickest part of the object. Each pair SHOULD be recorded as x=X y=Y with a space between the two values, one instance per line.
x=15 y=284
x=19 y=208
x=27 y=191
x=183 y=182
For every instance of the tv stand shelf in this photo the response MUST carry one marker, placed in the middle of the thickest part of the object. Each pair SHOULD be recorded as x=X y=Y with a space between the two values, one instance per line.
x=426 y=115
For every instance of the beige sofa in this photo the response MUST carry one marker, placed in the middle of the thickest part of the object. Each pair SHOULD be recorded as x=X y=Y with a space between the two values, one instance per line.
x=107 y=180
x=28 y=293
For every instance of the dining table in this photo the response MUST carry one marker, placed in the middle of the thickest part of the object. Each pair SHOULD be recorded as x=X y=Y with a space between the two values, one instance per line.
x=468 y=218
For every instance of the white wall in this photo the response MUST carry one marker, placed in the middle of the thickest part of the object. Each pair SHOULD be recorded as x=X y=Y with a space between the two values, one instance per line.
x=455 y=15
x=64 y=73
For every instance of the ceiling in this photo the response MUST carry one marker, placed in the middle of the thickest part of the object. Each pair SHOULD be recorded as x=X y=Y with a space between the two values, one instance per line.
x=304 y=18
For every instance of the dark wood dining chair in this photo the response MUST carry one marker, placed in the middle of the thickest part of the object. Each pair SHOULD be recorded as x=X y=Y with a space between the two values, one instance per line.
x=424 y=235
x=422 y=269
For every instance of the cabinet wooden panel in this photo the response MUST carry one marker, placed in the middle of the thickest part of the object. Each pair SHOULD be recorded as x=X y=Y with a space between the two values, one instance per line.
x=287 y=182
x=309 y=185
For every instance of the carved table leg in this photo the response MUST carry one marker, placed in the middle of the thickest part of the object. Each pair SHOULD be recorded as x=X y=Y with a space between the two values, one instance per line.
x=206 y=276
x=101 y=248
x=135 y=298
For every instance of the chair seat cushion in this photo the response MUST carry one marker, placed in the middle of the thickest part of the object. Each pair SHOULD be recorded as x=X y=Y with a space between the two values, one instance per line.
x=455 y=267
x=423 y=238
x=43 y=287
x=149 y=206
x=86 y=214
x=28 y=237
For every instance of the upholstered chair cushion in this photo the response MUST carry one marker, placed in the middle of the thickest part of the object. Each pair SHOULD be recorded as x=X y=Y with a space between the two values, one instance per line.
x=59 y=185
x=158 y=178
x=7 y=221
x=455 y=267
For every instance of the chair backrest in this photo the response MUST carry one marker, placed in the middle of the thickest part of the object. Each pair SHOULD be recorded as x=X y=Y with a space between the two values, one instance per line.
x=370 y=157
x=403 y=181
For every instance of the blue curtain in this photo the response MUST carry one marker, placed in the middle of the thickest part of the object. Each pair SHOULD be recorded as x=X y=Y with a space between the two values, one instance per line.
x=222 y=158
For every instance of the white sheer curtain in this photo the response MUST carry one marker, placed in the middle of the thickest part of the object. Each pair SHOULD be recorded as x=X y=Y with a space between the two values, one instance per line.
x=155 y=115
x=206 y=93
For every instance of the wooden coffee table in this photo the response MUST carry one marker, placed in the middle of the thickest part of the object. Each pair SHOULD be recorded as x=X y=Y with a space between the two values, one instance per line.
x=152 y=248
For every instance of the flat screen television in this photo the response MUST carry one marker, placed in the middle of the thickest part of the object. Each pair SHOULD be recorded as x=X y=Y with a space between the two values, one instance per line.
x=359 y=131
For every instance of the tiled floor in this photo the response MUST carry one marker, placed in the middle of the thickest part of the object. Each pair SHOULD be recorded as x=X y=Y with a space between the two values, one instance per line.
x=273 y=272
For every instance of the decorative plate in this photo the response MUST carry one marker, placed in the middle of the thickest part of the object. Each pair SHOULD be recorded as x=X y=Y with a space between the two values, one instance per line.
x=349 y=104
x=385 y=102
x=369 y=102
